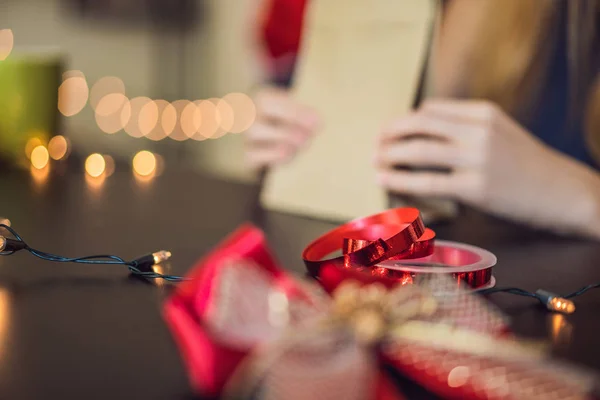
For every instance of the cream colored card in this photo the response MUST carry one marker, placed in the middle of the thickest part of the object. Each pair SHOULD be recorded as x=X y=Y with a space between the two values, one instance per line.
x=360 y=65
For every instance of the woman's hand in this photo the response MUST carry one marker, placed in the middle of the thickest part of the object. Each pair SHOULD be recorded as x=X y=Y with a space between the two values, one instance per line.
x=282 y=127
x=489 y=161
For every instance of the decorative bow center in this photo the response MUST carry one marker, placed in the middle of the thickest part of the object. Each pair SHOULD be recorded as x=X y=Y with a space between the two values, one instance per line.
x=373 y=311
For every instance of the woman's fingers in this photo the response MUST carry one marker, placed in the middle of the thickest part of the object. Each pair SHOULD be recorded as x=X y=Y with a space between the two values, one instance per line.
x=277 y=105
x=263 y=133
x=420 y=153
x=258 y=157
x=421 y=183
x=420 y=123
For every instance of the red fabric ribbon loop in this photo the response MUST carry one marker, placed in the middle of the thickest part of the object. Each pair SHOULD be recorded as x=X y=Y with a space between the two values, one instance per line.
x=362 y=242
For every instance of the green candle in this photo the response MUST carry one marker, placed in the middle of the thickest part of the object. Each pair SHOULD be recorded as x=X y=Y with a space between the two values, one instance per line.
x=29 y=84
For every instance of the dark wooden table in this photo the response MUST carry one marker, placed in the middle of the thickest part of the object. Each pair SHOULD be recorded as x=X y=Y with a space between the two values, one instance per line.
x=93 y=332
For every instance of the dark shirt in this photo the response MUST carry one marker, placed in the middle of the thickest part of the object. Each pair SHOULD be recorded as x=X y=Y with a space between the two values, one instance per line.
x=553 y=119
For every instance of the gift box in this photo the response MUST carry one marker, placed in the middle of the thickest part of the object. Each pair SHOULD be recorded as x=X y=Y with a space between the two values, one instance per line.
x=248 y=329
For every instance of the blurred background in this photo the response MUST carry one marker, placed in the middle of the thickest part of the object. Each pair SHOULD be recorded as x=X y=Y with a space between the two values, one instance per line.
x=113 y=78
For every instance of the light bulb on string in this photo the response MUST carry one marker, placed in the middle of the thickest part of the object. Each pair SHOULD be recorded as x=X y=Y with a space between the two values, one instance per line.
x=58 y=147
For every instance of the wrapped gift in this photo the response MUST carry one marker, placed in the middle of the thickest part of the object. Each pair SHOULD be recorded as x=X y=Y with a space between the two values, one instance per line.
x=248 y=329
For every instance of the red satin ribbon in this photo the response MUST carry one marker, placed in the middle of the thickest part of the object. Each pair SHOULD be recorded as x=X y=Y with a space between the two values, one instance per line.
x=393 y=234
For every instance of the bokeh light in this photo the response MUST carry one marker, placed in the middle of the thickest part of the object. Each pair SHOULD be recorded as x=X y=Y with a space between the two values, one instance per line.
x=159 y=132
x=191 y=119
x=218 y=119
x=103 y=87
x=168 y=119
x=95 y=165
x=178 y=131
x=110 y=165
x=73 y=95
x=58 y=147
x=40 y=157
x=32 y=144
x=113 y=113
x=7 y=41
x=224 y=115
x=148 y=118
x=209 y=126
x=144 y=163
x=244 y=111
x=130 y=118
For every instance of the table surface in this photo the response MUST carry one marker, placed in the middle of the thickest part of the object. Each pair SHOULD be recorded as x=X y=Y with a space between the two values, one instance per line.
x=94 y=332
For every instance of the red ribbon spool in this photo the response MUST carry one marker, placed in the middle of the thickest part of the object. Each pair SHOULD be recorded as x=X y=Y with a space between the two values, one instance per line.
x=408 y=250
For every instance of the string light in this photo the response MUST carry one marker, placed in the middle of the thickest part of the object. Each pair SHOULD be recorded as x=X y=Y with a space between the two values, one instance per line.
x=40 y=157
x=58 y=147
x=113 y=113
x=95 y=165
x=73 y=95
x=104 y=87
x=159 y=132
x=244 y=111
x=178 y=132
x=191 y=119
x=219 y=120
x=148 y=118
x=144 y=163
x=553 y=302
x=7 y=41
x=168 y=120
x=32 y=144
x=224 y=115
x=110 y=165
x=209 y=124
x=142 y=266
x=131 y=121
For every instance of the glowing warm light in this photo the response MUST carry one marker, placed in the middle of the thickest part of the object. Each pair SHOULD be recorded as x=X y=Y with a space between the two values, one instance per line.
x=73 y=95
x=244 y=111
x=158 y=132
x=110 y=165
x=58 y=147
x=191 y=119
x=113 y=113
x=168 y=119
x=103 y=87
x=5 y=309
x=32 y=144
x=144 y=163
x=40 y=157
x=111 y=104
x=209 y=126
x=220 y=120
x=148 y=118
x=7 y=41
x=40 y=176
x=95 y=165
x=224 y=116
x=130 y=120
x=458 y=376
x=178 y=131
x=562 y=305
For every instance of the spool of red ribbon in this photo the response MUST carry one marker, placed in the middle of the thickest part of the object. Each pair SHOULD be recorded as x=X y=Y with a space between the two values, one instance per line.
x=394 y=247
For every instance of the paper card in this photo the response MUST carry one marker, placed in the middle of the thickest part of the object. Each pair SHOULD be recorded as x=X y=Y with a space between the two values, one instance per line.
x=360 y=65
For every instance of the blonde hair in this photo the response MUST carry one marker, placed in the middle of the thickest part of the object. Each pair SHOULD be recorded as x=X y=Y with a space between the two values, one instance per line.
x=512 y=51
